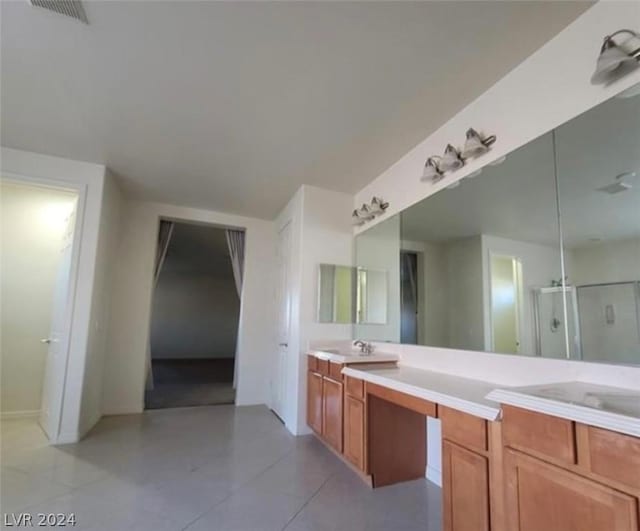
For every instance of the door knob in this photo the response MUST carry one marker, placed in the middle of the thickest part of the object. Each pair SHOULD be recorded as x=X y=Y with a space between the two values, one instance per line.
x=46 y=341
x=283 y=344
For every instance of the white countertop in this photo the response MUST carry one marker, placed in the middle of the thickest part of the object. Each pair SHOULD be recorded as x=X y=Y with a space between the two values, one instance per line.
x=344 y=355
x=611 y=408
x=458 y=393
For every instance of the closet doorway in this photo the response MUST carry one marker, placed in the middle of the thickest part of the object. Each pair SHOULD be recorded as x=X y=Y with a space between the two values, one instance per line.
x=194 y=316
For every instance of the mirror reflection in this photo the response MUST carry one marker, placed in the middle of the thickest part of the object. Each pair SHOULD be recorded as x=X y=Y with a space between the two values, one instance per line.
x=474 y=257
x=335 y=294
x=599 y=192
x=536 y=255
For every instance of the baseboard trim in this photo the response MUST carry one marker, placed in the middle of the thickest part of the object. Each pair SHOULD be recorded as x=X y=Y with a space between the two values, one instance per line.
x=434 y=475
x=27 y=414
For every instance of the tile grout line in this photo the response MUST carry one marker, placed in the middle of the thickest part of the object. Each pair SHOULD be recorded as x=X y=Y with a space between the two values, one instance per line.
x=308 y=501
x=233 y=491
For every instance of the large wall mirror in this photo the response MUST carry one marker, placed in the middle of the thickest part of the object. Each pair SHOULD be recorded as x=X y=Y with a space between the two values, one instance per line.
x=536 y=255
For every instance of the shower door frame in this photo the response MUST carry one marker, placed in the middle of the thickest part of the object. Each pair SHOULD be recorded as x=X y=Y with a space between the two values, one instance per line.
x=576 y=317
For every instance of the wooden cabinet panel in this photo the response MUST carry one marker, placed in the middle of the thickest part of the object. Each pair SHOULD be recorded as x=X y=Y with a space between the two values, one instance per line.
x=335 y=371
x=323 y=367
x=312 y=363
x=544 y=497
x=354 y=431
x=354 y=387
x=314 y=401
x=465 y=494
x=611 y=455
x=332 y=413
x=464 y=429
x=528 y=430
x=419 y=405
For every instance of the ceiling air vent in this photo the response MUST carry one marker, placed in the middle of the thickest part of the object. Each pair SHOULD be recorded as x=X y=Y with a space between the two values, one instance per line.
x=70 y=8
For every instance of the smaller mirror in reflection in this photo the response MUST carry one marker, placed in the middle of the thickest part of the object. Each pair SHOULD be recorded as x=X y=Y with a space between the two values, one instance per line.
x=336 y=289
x=371 y=296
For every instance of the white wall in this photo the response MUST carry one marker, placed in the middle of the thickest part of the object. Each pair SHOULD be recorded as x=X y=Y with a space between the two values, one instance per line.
x=89 y=178
x=106 y=260
x=321 y=234
x=547 y=89
x=33 y=223
x=195 y=315
x=124 y=375
x=465 y=294
x=610 y=261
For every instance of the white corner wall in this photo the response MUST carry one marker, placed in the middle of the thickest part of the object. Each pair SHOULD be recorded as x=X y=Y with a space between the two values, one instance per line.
x=124 y=371
x=90 y=178
x=547 y=89
x=321 y=234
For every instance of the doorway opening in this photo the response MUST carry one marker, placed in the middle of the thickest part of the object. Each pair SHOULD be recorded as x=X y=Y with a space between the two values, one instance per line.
x=36 y=261
x=409 y=297
x=506 y=306
x=194 y=316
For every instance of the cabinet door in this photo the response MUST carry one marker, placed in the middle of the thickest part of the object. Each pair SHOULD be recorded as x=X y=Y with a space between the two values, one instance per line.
x=332 y=413
x=465 y=489
x=544 y=497
x=354 y=431
x=314 y=401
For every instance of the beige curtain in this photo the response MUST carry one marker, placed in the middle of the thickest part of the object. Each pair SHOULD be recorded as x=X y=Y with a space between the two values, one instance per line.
x=164 y=238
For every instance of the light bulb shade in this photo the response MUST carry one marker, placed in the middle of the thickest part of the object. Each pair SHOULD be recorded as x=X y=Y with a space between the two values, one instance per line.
x=475 y=145
x=611 y=58
x=431 y=171
x=451 y=160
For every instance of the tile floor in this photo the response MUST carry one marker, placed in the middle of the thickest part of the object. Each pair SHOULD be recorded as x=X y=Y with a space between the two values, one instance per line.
x=206 y=468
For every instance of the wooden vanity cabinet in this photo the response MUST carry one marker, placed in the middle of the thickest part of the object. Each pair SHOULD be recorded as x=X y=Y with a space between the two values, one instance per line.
x=324 y=401
x=566 y=475
x=472 y=473
x=355 y=428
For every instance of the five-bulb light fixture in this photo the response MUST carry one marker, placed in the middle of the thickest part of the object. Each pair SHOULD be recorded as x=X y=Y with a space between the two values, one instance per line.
x=367 y=212
x=453 y=159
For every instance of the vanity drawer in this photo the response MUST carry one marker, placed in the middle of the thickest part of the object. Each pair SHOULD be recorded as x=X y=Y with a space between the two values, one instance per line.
x=312 y=363
x=323 y=367
x=609 y=454
x=463 y=429
x=354 y=387
x=542 y=434
x=335 y=371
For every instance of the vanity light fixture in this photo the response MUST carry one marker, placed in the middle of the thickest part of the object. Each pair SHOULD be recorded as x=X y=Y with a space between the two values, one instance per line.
x=368 y=212
x=432 y=170
x=476 y=145
x=617 y=56
x=451 y=160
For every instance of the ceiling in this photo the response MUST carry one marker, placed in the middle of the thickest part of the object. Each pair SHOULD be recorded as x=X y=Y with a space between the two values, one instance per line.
x=517 y=199
x=233 y=105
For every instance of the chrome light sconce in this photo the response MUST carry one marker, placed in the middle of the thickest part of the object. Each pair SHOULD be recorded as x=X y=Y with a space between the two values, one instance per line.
x=432 y=170
x=453 y=159
x=476 y=145
x=370 y=211
x=617 y=56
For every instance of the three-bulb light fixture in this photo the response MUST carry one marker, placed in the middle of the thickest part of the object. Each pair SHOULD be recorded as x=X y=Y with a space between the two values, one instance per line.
x=453 y=159
x=370 y=211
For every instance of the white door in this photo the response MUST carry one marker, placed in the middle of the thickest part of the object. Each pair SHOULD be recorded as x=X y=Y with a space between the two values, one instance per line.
x=58 y=340
x=279 y=383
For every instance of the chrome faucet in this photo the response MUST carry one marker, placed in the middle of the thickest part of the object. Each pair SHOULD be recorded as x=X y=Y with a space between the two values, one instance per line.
x=365 y=348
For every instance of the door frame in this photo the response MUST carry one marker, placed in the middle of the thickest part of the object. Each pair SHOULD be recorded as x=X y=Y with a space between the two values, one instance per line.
x=205 y=223
x=57 y=408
